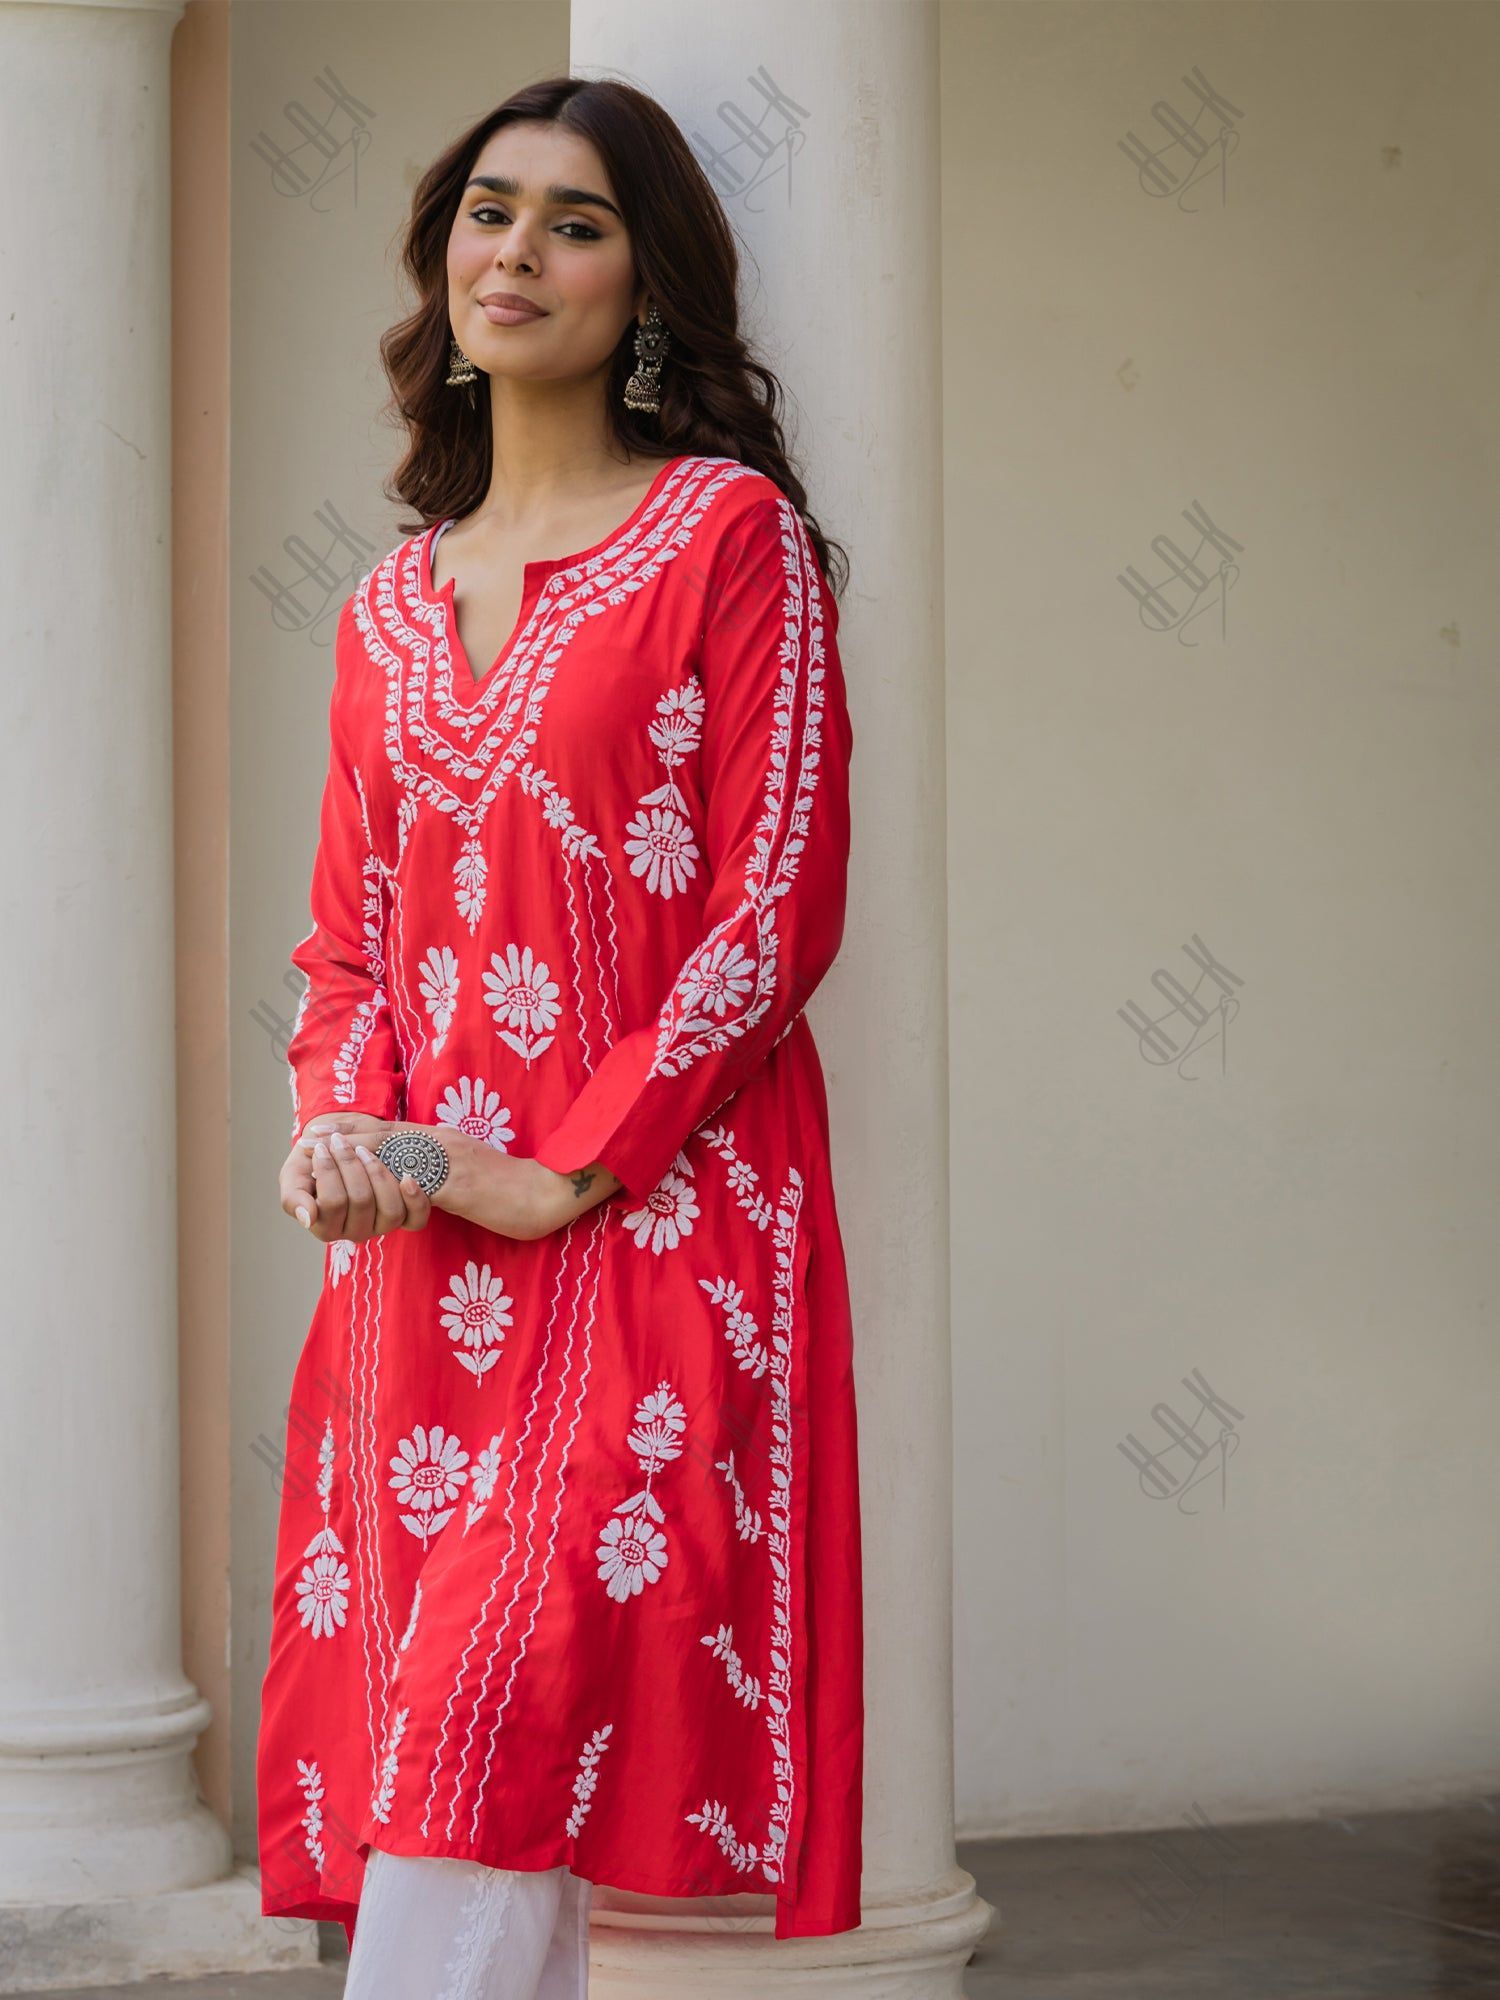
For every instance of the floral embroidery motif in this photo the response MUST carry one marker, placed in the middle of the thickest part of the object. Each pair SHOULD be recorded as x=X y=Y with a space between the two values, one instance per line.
x=522 y=995
x=476 y=1311
x=427 y=1474
x=470 y=875
x=744 y=1182
x=660 y=839
x=438 y=980
x=713 y=1818
x=558 y=812
x=310 y=1778
x=471 y=1106
x=747 y=1522
x=482 y=1484
x=740 y=1324
x=668 y=1213
x=703 y=1012
x=586 y=1778
x=485 y=1915
x=632 y=1551
x=323 y=1588
x=721 y=1644
x=340 y=1259
x=380 y=1805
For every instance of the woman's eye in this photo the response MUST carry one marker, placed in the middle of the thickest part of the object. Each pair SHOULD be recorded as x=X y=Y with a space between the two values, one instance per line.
x=487 y=212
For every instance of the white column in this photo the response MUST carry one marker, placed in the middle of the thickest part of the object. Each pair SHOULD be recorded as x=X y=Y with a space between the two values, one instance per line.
x=111 y=1865
x=819 y=125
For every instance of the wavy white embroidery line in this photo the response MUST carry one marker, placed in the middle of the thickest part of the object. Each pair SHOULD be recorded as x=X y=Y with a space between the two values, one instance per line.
x=492 y=1756
x=507 y=1564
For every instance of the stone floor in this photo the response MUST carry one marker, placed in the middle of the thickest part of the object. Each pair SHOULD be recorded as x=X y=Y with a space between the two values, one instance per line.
x=1389 y=1906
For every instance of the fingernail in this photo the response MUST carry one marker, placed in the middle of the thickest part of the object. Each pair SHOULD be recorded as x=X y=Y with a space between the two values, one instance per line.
x=304 y=1218
x=340 y=1142
x=320 y=1151
x=364 y=1152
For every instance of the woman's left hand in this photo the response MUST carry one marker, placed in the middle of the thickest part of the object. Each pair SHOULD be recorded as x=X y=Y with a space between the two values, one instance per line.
x=514 y=1197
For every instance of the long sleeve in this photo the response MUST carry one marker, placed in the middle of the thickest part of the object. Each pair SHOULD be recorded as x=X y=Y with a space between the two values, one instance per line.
x=775 y=751
x=343 y=1053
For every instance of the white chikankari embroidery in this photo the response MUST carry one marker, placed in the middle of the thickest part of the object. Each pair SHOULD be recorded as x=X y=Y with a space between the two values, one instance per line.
x=427 y=1474
x=470 y=875
x=411 y=1623
x=482 y=1483
x=668 y=1213
x=740 y=1326
x=340 y=1258
x=469 y=1105
x=485 y=1920
x=522 y=995
x=747 y=1522
x=744 y=1182
x=438 y=981
x=708 y=1007
x=715 y=1821
x=476 y=1311
x=323 y=1588
x=713 y=1818
x=632 y=1551
x=586 y=1778
x=558 y=812
x=380 y=1805
x=310 y=1778
x=454 y=754
x=660 y=839
x=721 y=1644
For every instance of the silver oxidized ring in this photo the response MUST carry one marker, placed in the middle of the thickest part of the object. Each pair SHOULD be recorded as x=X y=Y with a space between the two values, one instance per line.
x=417 y=1154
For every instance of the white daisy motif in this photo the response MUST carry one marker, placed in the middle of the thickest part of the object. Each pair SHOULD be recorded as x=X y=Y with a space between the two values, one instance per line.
x=476 y=1311
x=323 y=1595
x=719 y=978
x=522 y=996
x=631 y=1554
x=437 y=978
x=662 y=848
x=471 y=1106
x=427 y=1474
x=665 y=1217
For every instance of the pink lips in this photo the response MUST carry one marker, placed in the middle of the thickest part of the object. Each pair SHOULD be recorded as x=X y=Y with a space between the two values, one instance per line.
x=505 y=309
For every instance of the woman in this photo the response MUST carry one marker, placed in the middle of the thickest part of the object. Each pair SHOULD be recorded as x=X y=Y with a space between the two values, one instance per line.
x=568 y=1571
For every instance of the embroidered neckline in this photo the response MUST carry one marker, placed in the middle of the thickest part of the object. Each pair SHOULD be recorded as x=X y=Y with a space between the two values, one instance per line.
x=447 y=674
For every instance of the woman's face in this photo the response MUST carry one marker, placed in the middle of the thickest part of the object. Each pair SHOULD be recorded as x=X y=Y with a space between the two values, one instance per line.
x=538 y=219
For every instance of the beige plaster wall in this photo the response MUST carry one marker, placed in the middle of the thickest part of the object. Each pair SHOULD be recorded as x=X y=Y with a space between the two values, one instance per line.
x=1303 y=777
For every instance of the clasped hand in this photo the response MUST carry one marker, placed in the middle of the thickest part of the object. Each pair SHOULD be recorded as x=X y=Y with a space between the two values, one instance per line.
x=333 y=1184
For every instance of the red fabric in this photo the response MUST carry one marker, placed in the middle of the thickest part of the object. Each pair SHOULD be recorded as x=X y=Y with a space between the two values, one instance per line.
x=568 y=1568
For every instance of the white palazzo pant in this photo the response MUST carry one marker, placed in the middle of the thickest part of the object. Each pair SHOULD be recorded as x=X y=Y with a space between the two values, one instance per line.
x=438 y=1927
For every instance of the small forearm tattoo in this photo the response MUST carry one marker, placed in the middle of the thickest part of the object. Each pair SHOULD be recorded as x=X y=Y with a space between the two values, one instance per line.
x=585 y=1177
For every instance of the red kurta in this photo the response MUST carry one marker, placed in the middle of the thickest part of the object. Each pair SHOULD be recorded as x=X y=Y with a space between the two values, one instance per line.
x=568 y=1568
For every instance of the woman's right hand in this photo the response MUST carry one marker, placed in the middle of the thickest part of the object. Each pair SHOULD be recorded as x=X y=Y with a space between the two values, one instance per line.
x=341 y=1193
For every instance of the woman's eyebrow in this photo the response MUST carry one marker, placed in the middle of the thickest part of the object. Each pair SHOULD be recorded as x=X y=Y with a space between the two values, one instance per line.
x=559 y=197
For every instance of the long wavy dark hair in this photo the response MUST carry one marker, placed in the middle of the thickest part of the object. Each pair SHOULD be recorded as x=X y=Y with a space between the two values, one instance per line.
x=715 y=397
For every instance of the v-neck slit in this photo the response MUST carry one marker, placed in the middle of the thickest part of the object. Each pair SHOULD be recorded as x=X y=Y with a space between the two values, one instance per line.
x=542 y=566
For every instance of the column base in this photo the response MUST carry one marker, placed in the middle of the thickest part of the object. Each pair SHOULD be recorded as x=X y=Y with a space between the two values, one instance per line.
x=179 y=1934
x=912 y=1949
